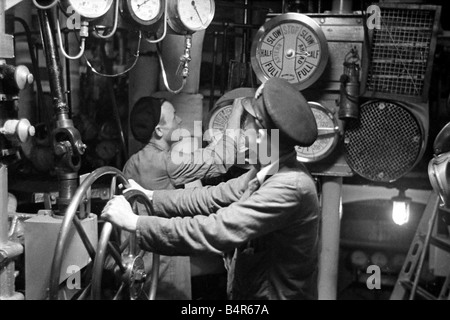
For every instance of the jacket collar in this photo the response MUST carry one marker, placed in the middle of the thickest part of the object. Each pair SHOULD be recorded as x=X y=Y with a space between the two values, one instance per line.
x=273 y=168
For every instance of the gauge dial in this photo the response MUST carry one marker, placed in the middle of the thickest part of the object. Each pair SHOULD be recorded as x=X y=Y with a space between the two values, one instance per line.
x=328 y=133
x=219 y=118
x=291 y=46
x=91 y=9
x=145 y=12
x=189 y=16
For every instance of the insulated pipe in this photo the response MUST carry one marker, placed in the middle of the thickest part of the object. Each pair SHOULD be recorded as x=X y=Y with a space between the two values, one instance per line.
x=330 y=235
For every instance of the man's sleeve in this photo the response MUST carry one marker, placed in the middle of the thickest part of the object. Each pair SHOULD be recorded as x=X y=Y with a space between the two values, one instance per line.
x=200 y=201
x=265 y=211
x=212 y=161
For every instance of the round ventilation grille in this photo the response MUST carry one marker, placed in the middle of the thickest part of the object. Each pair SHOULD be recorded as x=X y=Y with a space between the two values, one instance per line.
x=385 y=143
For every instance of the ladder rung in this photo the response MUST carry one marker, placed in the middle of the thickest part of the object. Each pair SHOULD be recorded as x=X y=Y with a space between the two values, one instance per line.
x=441 y=244
x=420 y=291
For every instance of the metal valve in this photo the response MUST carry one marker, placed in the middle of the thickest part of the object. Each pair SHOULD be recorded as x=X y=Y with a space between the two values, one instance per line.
x=20 y=129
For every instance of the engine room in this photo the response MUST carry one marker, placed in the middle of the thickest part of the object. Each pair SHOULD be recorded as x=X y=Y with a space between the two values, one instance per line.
x=102 y=102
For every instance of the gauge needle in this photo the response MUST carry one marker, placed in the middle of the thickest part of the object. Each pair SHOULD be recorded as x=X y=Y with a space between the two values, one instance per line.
x=140 y=5
x=195 y=8
x=291 y=54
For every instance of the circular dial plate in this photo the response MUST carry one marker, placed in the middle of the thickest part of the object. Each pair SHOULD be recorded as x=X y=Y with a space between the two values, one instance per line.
x=195 y=15
x=216 y=128
x=145 y=10
x=291 y=46
x=91 y=9
x=328 y=132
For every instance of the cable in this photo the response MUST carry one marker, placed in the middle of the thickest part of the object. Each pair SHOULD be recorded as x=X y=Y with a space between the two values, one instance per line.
x=164 y=30
x=116 y=22
x=121 y=73
x=83 y=31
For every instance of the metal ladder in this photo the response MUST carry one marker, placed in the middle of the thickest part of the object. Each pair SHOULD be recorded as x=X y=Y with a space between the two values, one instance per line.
x=407 y=285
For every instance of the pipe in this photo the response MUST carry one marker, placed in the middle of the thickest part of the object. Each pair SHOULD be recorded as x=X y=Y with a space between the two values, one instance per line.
x=45 y=4
x=2 y=18
x=4 y=224
x=53 y=65
x=330 y=234
x=342 y=6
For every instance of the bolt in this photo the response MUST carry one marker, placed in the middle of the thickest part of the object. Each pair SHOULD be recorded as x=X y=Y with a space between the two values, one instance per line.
x=140 y=275
x=60 y=149
x=31 y=131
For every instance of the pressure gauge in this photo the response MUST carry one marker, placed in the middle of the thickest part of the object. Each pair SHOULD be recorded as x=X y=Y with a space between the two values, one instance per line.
x=143 y=12
x=328 y=135
x=189 y=16
x=291 y=46
x=90 y=9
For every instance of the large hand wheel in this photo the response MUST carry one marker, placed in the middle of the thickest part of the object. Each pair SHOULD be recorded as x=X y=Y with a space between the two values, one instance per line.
x=129 y=265
x=128 y=262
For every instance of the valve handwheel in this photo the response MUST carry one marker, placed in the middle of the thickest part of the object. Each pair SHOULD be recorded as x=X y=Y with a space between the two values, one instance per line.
x=114 y=252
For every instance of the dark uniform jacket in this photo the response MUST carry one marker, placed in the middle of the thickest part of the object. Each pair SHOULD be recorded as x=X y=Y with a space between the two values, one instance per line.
x=268 y=234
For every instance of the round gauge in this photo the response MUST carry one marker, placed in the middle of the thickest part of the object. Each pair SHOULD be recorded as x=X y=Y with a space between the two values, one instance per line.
x=144 y=12
x=92 y=9
x=219 y=118
x=327 y=139
x=189 y=16
x=291 y=46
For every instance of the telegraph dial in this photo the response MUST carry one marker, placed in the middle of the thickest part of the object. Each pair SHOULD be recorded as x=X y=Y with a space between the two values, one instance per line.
x=291 y=46
x=327 y=139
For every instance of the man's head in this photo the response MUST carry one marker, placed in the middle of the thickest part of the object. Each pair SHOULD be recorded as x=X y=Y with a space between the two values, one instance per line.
x=153 y=118
x=279 y=108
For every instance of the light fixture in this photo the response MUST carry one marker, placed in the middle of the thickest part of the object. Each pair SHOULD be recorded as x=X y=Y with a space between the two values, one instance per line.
x=401 y=208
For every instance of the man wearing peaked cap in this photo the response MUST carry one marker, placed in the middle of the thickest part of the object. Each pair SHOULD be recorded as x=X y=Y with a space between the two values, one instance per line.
x=279 y=105
x=152 y=122
x=268 y=236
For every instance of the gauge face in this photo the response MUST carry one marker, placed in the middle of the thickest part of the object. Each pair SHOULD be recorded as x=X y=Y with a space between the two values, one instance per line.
x=217 y=126
x=91 y=8
x=191 y=15
x=328 y=132
x=145 y=11
x=291 y=46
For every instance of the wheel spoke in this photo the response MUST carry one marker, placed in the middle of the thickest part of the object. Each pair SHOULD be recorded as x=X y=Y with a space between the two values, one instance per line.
x=113 y=187
x=124 y=245
x=116 y=256
x=84 y=237
x=85 y=292
x=116 y=297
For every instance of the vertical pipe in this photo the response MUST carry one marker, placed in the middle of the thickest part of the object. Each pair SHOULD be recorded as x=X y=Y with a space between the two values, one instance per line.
x=223 y=69
x=3 y=205
x=67 y=74
x=342 y=6
x=53 y=65
x=2 y=18
x=213 y=76
x=330 y=234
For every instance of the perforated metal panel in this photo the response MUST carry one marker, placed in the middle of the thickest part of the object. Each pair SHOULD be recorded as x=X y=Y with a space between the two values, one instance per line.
x=402 y=50
x=385 y=143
